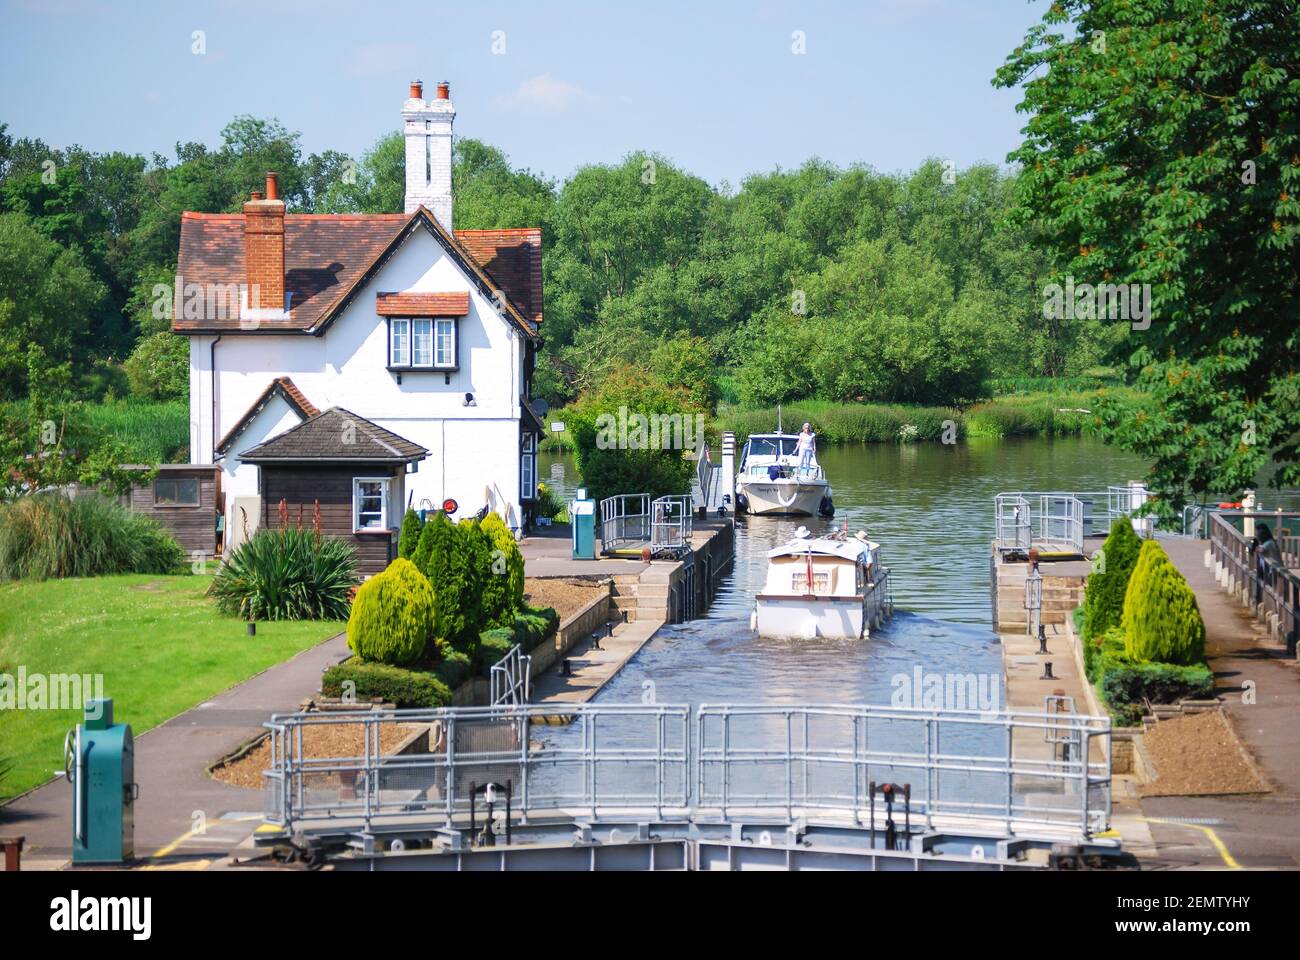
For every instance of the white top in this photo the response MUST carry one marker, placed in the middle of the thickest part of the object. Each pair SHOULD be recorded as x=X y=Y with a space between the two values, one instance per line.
x=805 y=442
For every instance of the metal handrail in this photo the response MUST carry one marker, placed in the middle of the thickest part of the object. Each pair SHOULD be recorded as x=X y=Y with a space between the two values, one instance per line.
x=510 y=678
x=1269 y=590
x=671 y=525
x=624 y=520
x=620 y=758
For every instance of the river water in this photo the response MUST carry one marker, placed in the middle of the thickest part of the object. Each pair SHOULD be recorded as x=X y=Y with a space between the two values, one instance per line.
x=930 y=506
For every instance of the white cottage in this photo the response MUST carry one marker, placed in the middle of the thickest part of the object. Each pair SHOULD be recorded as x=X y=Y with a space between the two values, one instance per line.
x=419 y=336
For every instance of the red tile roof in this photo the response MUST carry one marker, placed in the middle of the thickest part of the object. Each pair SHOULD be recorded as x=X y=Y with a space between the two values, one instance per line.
x=422 y=304
x=326 y=255
x=282 y=386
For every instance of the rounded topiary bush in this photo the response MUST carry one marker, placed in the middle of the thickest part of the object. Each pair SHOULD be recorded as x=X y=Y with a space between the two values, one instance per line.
x=392 y=616
x=1103 y=599
x=1162 y=623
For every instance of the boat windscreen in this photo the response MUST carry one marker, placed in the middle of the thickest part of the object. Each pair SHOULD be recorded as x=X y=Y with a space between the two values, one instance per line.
x=772 y=446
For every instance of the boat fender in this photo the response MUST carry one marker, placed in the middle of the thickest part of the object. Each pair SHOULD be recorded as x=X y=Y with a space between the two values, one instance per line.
x=827 y=508
x=742 y=503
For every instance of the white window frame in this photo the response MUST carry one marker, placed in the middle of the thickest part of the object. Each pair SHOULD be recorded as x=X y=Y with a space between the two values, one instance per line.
x=449 y=325
x=416 y=336
x=402 y=358
x=384 y=483
x=528 y=468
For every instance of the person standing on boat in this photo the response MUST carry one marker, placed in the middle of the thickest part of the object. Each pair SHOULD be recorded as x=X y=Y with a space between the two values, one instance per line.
x=806 y=447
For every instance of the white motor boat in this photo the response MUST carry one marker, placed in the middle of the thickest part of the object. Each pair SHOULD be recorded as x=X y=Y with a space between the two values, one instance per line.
x=828 y=586
x=772 y=481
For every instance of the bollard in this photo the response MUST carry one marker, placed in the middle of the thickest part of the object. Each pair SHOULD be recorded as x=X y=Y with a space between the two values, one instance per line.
x=1042 y=639
x=565 y=669
x=595 y=641
x=13 y=847
x=1047 y=671
x=252 y=628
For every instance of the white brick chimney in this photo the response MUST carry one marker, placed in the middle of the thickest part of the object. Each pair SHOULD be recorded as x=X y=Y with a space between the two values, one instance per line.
x=427 y=125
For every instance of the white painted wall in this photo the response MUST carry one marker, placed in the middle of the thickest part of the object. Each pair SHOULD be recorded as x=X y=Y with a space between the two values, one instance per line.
x=471 y=449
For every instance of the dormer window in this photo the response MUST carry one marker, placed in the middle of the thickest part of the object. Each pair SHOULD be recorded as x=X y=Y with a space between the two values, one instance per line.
x=422 y=343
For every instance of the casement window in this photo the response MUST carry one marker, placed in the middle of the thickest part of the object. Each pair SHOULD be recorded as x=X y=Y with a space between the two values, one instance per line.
x=422 y=342
x=528 y=467
x=176 y=492
x=370 y=503
x=399 y=350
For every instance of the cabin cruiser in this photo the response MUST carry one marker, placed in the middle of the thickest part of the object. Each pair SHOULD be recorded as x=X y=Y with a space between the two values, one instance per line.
x=828 y=586
x=771 y=480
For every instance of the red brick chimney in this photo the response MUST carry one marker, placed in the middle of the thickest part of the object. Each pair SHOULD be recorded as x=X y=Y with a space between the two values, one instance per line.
x=264 y=248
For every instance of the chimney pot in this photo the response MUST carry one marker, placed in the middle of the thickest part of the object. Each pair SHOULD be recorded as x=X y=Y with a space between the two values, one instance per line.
x=444 y=90
x=417 y=89
x=255 y=195
x=272 y=185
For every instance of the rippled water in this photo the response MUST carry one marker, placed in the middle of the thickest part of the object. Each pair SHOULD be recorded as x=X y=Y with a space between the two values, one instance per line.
x=930 y=506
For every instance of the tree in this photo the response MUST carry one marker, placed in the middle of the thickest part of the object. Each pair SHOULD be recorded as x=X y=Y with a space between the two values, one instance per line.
x=1162 y=623
x=617 y=448
x=409 y=539
x=507 y=572
x=1103 y=601
x=47 y=295
x=1163 y=150
x=159 y=367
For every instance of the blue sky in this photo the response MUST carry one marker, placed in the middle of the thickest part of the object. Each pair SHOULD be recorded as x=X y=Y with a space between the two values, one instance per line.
x=713 y=85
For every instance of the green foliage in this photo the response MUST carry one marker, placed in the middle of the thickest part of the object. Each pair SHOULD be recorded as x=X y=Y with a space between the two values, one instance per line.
x=49 y=536
x=1161 y=620
x=1127 y=687
x=286 y=573
x=409 y=539
x=392 y=616
x=1103 y=602
x=455 y=558
x=547 y=503
x=613 y=463
x=504 y=593
x=159 y=367
x=688 y=363
x=407 y=689
x=1166 y=155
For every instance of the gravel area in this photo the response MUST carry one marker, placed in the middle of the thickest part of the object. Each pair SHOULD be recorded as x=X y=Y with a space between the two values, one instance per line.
x=567 y=596
x=318 y=742
x=1198 y=755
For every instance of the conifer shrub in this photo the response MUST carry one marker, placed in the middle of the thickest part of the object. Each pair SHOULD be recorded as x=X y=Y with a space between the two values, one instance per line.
x=1161 y=620
x=379 y=681
x=1103 y=599
x=504 y=593
x=392 y=616
x=409 y=539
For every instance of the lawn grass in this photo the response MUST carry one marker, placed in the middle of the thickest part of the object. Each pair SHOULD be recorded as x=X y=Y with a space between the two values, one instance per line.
x=159 y=644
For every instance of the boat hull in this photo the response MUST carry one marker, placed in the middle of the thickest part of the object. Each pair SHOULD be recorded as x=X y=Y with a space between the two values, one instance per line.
x=791 y=498
x=798 y=617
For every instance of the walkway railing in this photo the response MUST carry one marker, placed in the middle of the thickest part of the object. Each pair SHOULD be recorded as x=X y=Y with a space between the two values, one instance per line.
x=1268 y=589
x=624 y=521
x=1059 y=520
x=670 y=525
x=989 y=769
x=511 y=678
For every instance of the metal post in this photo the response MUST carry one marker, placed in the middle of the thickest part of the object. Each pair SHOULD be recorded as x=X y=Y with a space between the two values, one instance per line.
x=1033 y=595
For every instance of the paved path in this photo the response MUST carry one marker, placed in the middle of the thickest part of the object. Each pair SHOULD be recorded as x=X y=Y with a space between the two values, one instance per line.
x=592 y=668
x=170 y=760
x=1254 y=831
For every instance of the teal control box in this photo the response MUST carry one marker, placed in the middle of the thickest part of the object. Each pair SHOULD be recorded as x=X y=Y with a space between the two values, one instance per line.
x=99 y=760
x=582 y=514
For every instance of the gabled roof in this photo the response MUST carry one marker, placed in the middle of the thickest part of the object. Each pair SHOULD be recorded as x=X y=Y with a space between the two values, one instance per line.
x=281 y=387
x=328 y=258
x=333 y=436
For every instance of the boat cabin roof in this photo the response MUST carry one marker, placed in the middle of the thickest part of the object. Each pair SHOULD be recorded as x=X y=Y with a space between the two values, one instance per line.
x=849 y=548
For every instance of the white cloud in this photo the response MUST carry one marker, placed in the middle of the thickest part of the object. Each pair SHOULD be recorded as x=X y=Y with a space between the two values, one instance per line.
x=547 y=93
x=374 y=58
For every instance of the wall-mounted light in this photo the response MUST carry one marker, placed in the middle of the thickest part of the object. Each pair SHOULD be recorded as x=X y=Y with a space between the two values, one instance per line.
x=470 y=401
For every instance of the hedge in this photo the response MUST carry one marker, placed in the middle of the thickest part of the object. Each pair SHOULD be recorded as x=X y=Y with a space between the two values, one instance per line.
x=1103 y=600
x=392 y=617
x=1161 y=620
x=396 y=685
x=1128 y=687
